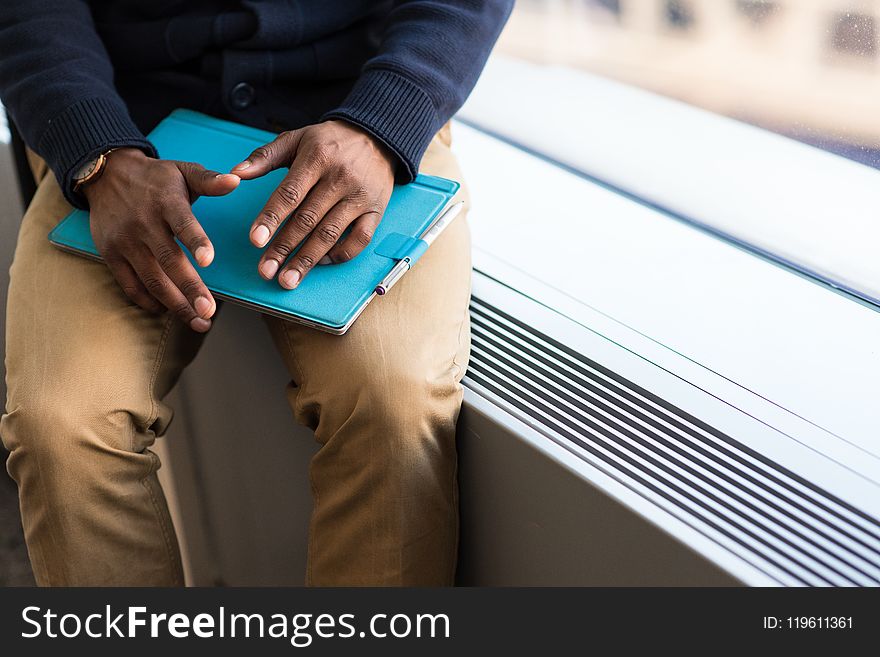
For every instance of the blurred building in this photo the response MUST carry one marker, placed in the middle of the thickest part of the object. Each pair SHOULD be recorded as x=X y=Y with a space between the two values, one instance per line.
x=807 y=68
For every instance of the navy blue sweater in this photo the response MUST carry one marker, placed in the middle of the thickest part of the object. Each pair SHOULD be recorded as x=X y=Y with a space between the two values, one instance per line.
x=81 y=76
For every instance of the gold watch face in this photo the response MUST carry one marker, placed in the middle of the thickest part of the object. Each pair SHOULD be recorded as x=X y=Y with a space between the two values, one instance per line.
x=86 y=170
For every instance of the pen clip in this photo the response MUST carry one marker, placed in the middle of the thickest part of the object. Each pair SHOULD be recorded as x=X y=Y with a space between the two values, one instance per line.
x=417 y=247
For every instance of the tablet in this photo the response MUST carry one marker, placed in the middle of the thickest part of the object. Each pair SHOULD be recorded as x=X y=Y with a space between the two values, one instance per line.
x=331 y=297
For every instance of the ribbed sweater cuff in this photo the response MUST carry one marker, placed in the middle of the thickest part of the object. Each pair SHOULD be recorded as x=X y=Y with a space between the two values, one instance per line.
x=396 y=111
x=81 y=132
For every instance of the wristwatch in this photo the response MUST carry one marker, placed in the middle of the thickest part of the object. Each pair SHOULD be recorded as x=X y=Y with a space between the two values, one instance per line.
x=91 y=170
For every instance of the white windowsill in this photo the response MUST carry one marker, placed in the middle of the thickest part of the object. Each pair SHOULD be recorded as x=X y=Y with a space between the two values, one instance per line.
x=765 y=331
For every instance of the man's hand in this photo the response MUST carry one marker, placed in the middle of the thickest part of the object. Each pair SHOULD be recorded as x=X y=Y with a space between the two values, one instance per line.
x=339 y=176
x=138 y=206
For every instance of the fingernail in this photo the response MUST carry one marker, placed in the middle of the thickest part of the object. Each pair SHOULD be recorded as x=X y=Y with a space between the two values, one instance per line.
x=268 y=269
x=325 y=260
x=202 y=306
x=260 y=235
x=290 y=279
x=200 y=325
x=203 y=256
x=242 y=165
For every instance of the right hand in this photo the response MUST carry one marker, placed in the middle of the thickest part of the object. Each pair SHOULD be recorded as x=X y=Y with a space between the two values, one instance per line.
x=138 y=206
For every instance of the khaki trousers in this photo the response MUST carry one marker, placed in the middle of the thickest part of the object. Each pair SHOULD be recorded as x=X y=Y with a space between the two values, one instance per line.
x=87 y=371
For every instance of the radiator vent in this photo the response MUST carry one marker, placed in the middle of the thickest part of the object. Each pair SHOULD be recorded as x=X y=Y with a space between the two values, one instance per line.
x=779 y=522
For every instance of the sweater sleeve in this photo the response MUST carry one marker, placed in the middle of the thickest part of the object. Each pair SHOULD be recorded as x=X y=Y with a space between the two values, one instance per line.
x=431 y=54
x=56 y=81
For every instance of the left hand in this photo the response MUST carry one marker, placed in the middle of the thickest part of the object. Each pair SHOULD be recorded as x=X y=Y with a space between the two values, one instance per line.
x=339 y=176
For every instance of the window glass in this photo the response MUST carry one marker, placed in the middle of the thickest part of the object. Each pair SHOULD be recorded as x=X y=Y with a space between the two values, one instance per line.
x=808 y=69
x=5 y=137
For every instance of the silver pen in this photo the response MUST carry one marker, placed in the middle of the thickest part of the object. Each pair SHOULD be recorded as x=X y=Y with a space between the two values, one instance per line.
x=431 y=234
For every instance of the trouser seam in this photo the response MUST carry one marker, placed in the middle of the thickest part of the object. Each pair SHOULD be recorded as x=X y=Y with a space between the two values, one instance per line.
x=166 y=536
x=458 y=376
x=157 y=364
x=456 y=530
x=463 y=329
x=459 y=368
x=154 y=414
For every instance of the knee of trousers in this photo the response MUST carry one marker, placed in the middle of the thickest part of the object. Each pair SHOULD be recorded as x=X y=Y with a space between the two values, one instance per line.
x=395 y=418
x=71 y=439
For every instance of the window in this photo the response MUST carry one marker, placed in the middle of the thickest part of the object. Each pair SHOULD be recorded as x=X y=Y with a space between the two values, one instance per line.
x=744 y=69
x=807 y=70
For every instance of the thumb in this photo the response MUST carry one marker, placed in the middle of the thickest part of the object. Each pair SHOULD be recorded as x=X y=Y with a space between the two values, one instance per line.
x=204 y=182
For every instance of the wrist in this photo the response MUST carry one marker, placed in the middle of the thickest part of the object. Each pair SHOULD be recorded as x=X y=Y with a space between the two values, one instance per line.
x=380 y=146
x=387 y=154
x=114 y=161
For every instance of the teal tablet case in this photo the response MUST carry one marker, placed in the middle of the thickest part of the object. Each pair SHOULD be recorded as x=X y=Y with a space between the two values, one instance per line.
x=331 y=296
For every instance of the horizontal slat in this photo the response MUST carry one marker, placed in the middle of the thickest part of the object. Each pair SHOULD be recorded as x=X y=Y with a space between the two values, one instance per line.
x=800 y=533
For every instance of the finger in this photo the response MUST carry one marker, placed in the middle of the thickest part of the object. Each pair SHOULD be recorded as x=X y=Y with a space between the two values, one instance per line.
x=204 y=182
x=181 y=273
x=189 y=231
x=160 y=286
x=323 y=238
x=284 y=200
x=304 y=220
x=357 y=239
x=278 y=153
x=132 y=286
